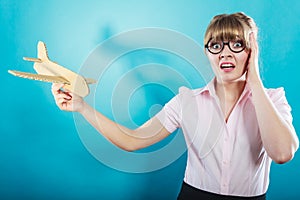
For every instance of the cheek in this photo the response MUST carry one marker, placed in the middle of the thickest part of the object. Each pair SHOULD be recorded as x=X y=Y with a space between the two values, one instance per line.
x=213 y=60
x=243 y=59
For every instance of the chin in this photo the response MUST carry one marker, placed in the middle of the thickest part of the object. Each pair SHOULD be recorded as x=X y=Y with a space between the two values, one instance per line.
x=231 y=79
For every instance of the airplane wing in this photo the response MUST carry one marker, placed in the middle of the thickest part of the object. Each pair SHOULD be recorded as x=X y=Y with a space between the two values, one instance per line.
x=39 y=77
x=90 y=80
x=50 y=71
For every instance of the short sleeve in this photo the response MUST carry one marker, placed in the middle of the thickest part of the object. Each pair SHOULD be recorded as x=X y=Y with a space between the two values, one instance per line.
x=281 y=104
x=170 y=115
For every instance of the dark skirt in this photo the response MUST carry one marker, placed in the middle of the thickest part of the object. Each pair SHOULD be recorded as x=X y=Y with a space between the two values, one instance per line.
x=191 y=193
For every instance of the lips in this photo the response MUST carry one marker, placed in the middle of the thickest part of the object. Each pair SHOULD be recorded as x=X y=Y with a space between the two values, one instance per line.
x=227 y=65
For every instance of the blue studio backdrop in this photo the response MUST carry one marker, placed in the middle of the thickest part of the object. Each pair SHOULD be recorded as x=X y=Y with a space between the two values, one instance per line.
x=50 y=154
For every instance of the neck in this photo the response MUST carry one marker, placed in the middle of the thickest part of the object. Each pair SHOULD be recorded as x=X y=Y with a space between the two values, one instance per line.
x=229 y=91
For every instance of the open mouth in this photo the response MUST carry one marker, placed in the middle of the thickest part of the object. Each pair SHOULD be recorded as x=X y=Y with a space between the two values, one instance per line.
x=227 y=65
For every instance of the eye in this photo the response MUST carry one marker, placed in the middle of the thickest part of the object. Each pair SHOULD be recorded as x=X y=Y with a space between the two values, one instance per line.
x=238 y=44
x=216 y=45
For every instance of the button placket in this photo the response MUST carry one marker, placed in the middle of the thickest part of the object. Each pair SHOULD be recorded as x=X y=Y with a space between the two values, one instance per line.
x=225 y=164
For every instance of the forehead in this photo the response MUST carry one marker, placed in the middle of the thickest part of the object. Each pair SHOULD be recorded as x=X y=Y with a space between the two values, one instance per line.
x=225 y=28
x=220 y=39
x=227 y=34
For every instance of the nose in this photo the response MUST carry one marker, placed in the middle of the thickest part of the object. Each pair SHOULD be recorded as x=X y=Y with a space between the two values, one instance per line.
x=226 y=52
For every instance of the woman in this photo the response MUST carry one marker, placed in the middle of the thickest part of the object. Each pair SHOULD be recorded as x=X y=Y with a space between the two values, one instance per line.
x=228 y=158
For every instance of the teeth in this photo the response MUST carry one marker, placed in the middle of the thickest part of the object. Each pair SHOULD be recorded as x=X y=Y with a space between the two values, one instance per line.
x=227 y=66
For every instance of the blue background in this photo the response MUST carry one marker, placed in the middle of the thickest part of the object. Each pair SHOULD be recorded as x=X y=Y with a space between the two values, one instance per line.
x=42 y=156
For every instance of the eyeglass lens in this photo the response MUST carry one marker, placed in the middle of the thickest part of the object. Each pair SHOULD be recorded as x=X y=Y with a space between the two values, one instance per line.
x=216 y=47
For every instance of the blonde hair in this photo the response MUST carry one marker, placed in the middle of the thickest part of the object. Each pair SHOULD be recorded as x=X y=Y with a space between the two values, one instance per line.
x=229 y=26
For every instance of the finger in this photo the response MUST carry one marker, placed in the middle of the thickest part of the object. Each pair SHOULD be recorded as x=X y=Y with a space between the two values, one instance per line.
x=56 y=87
x=69 y=95
x=253 y=42
x=64 y=90
x=63 y=96
x=63 y=106
x=62 y=101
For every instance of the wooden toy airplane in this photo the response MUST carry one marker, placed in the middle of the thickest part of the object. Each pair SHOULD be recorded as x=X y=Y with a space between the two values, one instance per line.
x=49 y=71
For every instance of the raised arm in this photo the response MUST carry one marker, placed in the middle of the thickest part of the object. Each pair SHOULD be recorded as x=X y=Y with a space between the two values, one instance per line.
x=130 y=140
x=278 y=135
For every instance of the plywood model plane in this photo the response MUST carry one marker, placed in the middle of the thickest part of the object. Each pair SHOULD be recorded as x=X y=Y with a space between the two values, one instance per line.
x=49 y=71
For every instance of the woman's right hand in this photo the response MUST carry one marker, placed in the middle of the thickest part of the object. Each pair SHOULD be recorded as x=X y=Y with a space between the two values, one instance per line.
x=66 y=100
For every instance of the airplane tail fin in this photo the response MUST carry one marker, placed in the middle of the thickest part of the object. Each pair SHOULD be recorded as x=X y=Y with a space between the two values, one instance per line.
x=42 y=51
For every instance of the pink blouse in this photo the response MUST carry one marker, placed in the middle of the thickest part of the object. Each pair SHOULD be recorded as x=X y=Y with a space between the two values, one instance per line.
x=226 y=158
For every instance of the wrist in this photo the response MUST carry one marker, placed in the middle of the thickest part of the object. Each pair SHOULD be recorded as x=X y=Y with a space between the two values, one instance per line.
x=83 y=108
x=254 y=81
x=256 y=87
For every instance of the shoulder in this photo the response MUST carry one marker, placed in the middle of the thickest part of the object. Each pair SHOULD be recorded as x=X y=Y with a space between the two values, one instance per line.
x=277 y=96
x=275 y=93
x=185 y=91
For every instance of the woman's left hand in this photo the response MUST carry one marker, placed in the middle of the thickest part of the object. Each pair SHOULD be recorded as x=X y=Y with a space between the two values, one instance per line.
x=253 y=76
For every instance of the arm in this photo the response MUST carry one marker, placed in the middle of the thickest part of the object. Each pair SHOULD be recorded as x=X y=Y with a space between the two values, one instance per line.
x=278 y=135
x=147 y=134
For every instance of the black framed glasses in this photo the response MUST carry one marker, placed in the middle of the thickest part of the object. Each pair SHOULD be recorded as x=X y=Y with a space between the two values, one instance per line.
x=216 y=46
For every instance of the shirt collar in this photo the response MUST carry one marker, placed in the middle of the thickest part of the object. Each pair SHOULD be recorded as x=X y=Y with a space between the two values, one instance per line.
x=210 y=89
